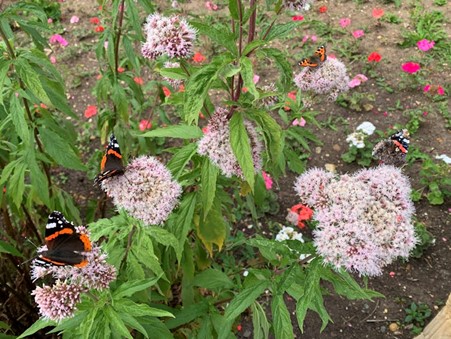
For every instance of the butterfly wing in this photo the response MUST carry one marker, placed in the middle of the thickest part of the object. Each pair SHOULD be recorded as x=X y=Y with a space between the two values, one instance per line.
x=321 y=53
x=111 y=164
x=309 y=62
x=401 y=140
x=64 y=245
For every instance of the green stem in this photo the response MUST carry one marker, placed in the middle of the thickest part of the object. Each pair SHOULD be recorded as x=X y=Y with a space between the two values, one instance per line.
x=118 y=37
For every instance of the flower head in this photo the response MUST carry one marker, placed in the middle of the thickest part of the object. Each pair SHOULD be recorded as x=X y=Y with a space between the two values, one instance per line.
x=410 y=67
x=74 y=19
x=297 y=5
x=322 y=9
x=378 y=13
x=366 y=127
x=358 y=33
x=171 y=36
x=146 y=190
x=374 y=56
x=145 y=124
x=356 y=139
x=297 y=18
x=364 y=220
x=90 y=111
x=330 y=78
x=425 y=45
x=267 y=179
x=298 y=214
x=345 y=22
x=215 y=144
x=58 y=39
x=198 y=57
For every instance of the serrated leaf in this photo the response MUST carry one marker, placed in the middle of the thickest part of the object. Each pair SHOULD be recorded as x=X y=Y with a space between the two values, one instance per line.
x=156 y=328
x=10 y=249
x=140 y=310
x=222 y=36
x=31 y=80
x=213 y=229
x=253 y=45
x=213 y=279
x=129 y=288
x=209 y=175
x=244 y=299
x=181 y=158
x=60 y=150
x=272 y=132
x=187 y=314
x=132 y=323
x=281 y=318
x=184 y=220
x=116 y=322
x=259 y=321
x=175 y=131
x=129 y=52
x=37 y=326
x=166 y=238
x=119 y=98
x=16 y=184
x=4 y=67
x=17 y=114
x=240 y=143
x=281 y=30
x=247 y=73
x=233 y=8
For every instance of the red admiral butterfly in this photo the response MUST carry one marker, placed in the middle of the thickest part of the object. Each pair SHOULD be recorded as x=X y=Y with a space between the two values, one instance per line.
x=64 y=245
x=111 y=163
x=316 y=59
x=393 y=151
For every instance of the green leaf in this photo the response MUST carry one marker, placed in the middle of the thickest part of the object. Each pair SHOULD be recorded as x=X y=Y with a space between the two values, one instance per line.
x=175 y=131
x=187 y=314
x=132 y=323
x=129 y=52
x=209 y=175
x=272 y=132
x=18 y=117
x=253 y=45
x=184 y=220
x=16 y=184
x=247 y=73
x=129 y=288
x=37 y=326
x=213 y=279
x=233 y=8
x=155 y=328
x=10 y=249
x=60 y=150
x=213 y=229
x=140 y=310
x=166 y=238
x=38 y=178
x=119 y=98
x=221 y=35
x=181 y=158
x=116 y=322
x=259 y=321
x=281 y=318
x=239 y=141
x=57 y=96
x=244 y=299
x=281 y=30
x=31 y=80
x=4 y=67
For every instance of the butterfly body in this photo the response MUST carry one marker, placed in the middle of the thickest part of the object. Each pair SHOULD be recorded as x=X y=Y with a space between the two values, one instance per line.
x=316 y=59
x=393 y=151
x=65 y=246
x=111 y=164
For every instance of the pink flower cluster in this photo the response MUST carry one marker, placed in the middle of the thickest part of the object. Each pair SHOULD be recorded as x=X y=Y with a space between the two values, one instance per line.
x=59 y=300
x=58 y=39
x=425 y=45
x=357 y=80
x=330 y=78
x=215 y=144
x=364 y=220
x=411 y=67
x=171 y=36
x=146 y=190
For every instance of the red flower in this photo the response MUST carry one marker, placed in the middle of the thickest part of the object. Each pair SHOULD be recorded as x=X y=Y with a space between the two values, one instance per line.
x=144 y=124
x=292 y=96
x=138 y=80
x=166 y=91
x=239 y=327
x=198 y=57
x=244 y=90
x=94 y=20
x=90 y=111
x=120 y=69
x=304 y=213
x=323 y=9
x=297 y=18
x=440 y=90
x=374 y=56
x=99 y=29
x=378 y=13
x=410 y=67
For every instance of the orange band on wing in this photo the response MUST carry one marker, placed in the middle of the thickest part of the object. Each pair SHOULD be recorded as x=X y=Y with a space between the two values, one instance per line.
x=82 y=264
x=400 y=146
x=112 y=151
x=58 y=263
x=102 y=163
x=86 y=242
x=56 y=234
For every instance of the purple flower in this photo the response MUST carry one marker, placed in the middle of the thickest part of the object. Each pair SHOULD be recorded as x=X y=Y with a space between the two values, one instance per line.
x=215 y=144
x=364 y=220
x=425 y=45
x=58 y=301
x=171 y=36
x=146 y=190
x=56 y=38
x=329 y=78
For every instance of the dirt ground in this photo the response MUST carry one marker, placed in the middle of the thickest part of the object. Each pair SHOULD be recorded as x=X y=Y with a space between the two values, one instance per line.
x=425 y=280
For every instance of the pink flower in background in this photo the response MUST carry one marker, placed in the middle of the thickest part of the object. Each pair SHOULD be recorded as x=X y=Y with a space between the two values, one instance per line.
x=305 y=38
x=256 y=78
x=299 y=122
x=345 y=22
x=211 y=6
x=297 y=18
x=358 y=33
x=138 y=80
x=52 y=59
x=74 y=19
x=268 y=180
x=145 y=124
x=426 y=88
x=90 y=111
x=94 y=20
x=357 y=80
x=440 y=90
x=425 y=45
x=292 y=95
x=378 y=13
x=49 y=20
x=410 y=67
x=314 y=38
x=58 y=39
x=166 y=91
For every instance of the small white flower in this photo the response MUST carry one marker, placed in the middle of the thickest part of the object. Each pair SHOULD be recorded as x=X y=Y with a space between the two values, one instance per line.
x=366 y=127
x=245 y=273
x=356 y=139
x=444 y=157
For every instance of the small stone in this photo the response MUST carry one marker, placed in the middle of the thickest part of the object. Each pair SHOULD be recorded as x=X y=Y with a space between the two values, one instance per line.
x=317 y=150
x=330 y=168
x=385 y=311
x=336 y=147
x=393 y=327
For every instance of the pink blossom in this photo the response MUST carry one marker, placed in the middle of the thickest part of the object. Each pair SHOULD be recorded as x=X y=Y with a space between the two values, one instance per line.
x=354 y=83
x=299 y=122
x=49 y=20
x=425 y=114
x=358 y=33
x=90 y=111
x=297 y=18
x=410 y=67
x=144 y=124
x=425 y=45
x=52 y=59
x=426 y=88
x=256 y=78
x=440 y=90
x=74 y=19
x=268 y=180
x=56 y=38
x=211 y=6
x=314 y=38
x=345 y=22
x=305 y=38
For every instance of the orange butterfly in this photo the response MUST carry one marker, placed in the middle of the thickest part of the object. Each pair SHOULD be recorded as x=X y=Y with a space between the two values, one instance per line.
x=316 y=59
